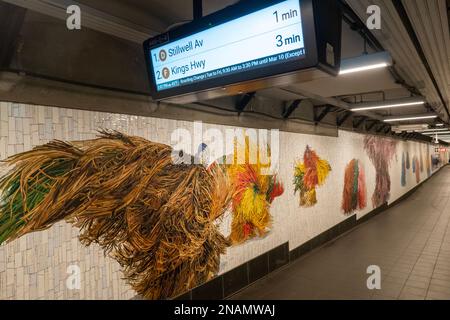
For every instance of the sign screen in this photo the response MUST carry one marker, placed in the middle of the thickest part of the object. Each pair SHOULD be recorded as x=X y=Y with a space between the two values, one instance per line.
x=268 y=37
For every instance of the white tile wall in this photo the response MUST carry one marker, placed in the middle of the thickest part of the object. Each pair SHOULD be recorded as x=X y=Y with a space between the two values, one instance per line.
x=35 y=266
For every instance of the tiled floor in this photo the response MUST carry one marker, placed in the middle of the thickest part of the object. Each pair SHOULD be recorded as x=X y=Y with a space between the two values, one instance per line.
x=410 y=243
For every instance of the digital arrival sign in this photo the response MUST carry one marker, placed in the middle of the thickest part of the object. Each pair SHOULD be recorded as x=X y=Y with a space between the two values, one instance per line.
x=267 y=37
x=248 y=41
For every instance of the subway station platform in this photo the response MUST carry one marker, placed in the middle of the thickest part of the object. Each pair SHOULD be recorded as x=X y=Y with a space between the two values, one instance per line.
x=410 y=242
x=235 y=149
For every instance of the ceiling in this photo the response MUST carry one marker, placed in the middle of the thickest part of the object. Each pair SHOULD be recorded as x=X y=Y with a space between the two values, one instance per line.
x=430 y=22
x=165 y=12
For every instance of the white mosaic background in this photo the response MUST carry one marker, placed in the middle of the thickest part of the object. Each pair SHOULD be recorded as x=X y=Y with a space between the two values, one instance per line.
x=35 y=266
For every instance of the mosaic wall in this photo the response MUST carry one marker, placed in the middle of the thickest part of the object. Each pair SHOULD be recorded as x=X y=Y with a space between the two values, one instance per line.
x=39 y=265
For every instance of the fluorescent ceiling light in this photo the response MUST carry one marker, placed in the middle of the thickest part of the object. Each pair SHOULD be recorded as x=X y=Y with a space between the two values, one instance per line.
x=366 y=62
x=364 y=68
x=438 y=133
x=93 y=19
x=409 y=127
x=434 y=130
x=447 y=134
x=407 y=102
x=418 y=117
x=389 y=106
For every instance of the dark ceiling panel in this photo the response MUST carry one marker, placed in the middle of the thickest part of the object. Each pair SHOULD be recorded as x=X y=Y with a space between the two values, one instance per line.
x=156 y=15
x=49 y=49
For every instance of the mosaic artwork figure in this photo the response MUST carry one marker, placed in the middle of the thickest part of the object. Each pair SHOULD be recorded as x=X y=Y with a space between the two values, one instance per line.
x=355 y=193
x=381 y=152
x=156 y=218
x=254 y=191
x=308 y=175
x=403 y=176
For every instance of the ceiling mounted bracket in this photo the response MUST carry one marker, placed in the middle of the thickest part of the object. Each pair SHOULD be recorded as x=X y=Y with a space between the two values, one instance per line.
x=326 y=110
x=197 y=9
x=359 y=121
x=340 y=121
x=244 y=101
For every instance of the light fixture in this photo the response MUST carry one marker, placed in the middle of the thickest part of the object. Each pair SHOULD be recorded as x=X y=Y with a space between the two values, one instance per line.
x=436 y=140
x=387 y=104
x=409 y=118
x=364 y=68
x=366 y=62
x=409 y=127
x=94 y=19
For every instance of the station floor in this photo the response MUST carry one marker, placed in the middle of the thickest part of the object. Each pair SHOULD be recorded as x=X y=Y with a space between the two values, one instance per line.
x=410 y=242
